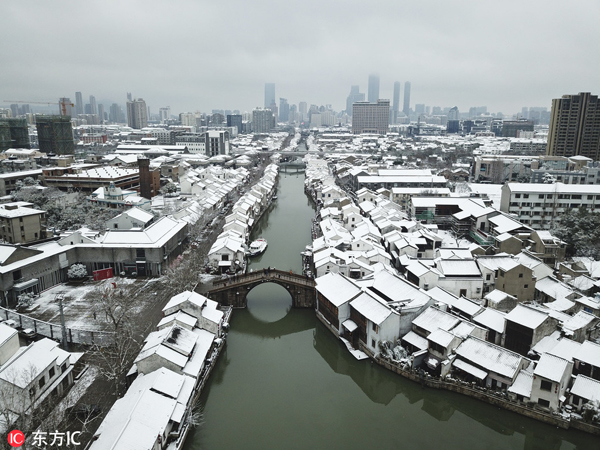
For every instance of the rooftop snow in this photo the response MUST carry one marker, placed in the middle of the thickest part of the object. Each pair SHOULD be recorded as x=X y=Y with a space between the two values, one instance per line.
x=370 y=308
x=336 y=288
x=492 y=357
x=432 y=319
x=414 y=339
x=523 y=384
x=527 y=317
x=492 y=319
x=586 y=388
x=551 y=367
x=589 y=353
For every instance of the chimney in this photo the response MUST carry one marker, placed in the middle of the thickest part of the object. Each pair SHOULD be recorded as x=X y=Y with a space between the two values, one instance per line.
x=145 y=178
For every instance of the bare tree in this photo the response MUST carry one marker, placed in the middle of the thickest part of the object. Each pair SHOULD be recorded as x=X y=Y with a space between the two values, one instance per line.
x=113 y=304
x=116 y=359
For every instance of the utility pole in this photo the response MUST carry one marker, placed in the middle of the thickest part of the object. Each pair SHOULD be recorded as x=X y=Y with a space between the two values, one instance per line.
x=65 y=343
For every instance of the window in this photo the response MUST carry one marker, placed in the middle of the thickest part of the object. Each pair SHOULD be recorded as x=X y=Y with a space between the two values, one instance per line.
x=373 y=343
x=517 y=195
x=488 y=277
x=463 y=293
x=42 y=382
x=544 y=403
x=525 y=286
x=546 y=385
x=375 y=328
x=51 y=373
x=63 y=368
x=520 y=275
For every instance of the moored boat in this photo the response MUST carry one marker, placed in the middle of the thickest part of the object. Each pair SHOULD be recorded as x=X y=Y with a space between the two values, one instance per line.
x=257 y=247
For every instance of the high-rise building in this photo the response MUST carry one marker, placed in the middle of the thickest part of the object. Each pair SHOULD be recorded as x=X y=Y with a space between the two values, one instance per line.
x=575 y=126
x=14 y=109
x=263 y=120
x=269 y=95
x=235 y=120
x=302 y=110
x=406 y=106
x=101 y=113
x=370 y=117
x=115 y=113
x=284 y=110
x=511 y=128
x=373 y=88
x=453 y=114
x=129 y=97
x=164 y=114
x=396 y=103
x=355 y=96
x=420 y=108
x=14 y=133
x=55 y=134
x=78 y=103
x=137 y=114
x=93 y=106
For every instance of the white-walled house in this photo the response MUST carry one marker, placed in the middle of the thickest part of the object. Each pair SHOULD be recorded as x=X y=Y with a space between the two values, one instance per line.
x=551 y=378
x=9 y=343
x=375 y=321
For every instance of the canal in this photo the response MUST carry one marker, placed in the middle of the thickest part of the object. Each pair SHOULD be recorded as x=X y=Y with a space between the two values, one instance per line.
x=285 y=382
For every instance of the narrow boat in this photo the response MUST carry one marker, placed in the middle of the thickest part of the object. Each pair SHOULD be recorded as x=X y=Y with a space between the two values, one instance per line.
x=257 y=247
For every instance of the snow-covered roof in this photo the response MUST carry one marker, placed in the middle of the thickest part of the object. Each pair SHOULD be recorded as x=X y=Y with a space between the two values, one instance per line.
x=565 y=349
x=336 y=288
x=466 y=367
x=504 y=224
x=6 y=333
x=440 y=337
x=431 y=319
x=528 y=317
x=492 y=357
x=370 y=308
x=151 y=402
x=553 y=288
x=155 y=235
x=586 y=387
x=551 y=367
x=31 y=361
x=492 y=319
x=459 y=267
x=578 y=321
x=414 y=339
x=523 y=384
x=589 y=353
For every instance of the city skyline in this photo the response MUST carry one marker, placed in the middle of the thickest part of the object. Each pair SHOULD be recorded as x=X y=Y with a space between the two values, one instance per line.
x=520 y=71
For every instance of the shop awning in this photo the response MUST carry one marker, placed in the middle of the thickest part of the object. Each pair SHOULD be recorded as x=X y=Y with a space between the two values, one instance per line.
x=25 y=284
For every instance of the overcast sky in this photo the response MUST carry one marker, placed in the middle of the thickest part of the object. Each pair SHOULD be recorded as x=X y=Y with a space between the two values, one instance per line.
x=200 y=55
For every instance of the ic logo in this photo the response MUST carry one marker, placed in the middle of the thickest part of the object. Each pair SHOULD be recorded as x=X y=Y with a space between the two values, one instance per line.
x=16 y=438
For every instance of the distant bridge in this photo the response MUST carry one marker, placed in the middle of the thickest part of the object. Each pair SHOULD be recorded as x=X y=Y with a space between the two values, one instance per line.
x=234 y=290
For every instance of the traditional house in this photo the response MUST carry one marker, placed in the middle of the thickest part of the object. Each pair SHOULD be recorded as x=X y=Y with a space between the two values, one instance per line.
x=551 y=378
x=525 y=327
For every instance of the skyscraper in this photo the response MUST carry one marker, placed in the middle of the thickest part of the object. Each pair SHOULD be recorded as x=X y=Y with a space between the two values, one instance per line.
x=355 y=96
x=137 y=114
x=164 y=114
x=373 y=88
x=284 y=110
x=269 y=95
x=115 y=114
x=101 y=113
x=78 y=103
x=55 y=134
x=396 y=104
x=575 y=126
x=370 y=117
x=406 y=108
x=93 y=106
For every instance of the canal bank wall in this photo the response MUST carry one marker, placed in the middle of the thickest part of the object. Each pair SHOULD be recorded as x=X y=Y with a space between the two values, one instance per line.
x=492 y=398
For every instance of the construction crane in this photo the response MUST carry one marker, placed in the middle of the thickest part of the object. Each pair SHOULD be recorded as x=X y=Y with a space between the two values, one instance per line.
x=63 y=104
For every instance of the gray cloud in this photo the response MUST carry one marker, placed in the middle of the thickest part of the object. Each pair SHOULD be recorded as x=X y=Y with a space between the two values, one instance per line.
x=203 y=55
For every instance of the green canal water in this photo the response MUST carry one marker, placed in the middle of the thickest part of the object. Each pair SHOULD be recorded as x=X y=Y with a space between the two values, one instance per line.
x=285 y=382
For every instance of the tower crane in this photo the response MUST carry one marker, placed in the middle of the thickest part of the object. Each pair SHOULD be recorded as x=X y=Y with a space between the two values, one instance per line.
x=63 y=104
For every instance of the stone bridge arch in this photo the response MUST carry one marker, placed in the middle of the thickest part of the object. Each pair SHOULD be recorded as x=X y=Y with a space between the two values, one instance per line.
x=233 y=291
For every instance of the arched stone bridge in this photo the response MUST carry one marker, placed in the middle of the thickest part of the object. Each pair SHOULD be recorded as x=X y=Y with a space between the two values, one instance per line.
x=234 y=289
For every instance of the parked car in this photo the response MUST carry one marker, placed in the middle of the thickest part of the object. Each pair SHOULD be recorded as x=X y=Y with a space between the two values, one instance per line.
x=11 y=323
x=28 y=333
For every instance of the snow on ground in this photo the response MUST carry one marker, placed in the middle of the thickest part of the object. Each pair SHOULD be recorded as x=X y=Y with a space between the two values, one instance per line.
x=449 y=241
x=493 y=191
x=207 y=278
x=77 y=309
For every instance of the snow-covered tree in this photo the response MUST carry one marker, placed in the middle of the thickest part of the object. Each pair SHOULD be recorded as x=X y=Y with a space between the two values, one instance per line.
x=77 y=271
x=24 y=301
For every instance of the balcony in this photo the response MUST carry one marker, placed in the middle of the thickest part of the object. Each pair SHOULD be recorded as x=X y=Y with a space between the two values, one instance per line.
x=481 y=238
